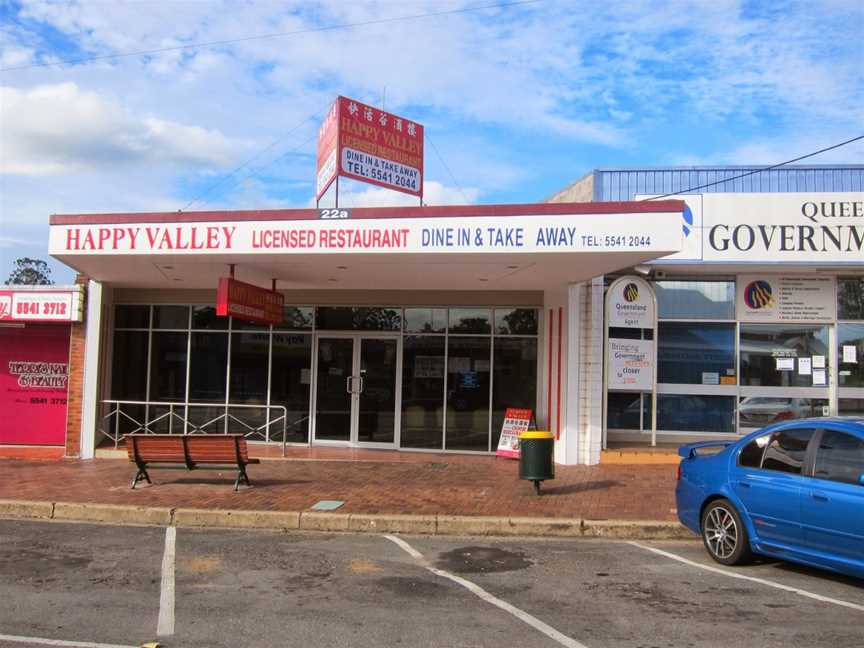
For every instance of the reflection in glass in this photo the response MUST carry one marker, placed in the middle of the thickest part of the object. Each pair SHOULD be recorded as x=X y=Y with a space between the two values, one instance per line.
x=425 y=320
x=850 y=298
x=470 y=320
x=516 y=321
x=851 y=406
x=422 y=392
x=248 y=386
x=205 y=318
x=171 y=317
x=850 y=354
x=623 y=411
x=360 y=318
x=468 y=374
x=690 y=413
x=333 y=397
x=688 y=350
x=168 y=366
x=376 y=407
x=296 y=318
x=514 y=383
x=289 y=385
x=208 y=367
x=126 y=316
x=695 y=299
x=758 y=411
x=763 y=346
x=129 y=377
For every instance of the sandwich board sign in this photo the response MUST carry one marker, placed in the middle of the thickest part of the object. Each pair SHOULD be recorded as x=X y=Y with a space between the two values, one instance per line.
x=516 y=421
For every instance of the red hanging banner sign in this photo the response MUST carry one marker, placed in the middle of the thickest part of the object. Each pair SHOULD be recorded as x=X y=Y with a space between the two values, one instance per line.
x=248 y=302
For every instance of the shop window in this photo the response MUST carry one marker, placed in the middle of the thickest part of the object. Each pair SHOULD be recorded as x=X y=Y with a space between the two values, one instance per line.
x=131 y=317
x=296 y=318
x=758 y=411
x=691 y=413
x=167 y=381
x=772 y=355
x=623 y=410
x=468 y=374
x=208 y=367
x=171 y=317
x=694 y=353
x=851 y=406
x=128 y=378
x=850 y=298
x=249 y=354
x=695 y=299
x=850 y=355
x=245 y=325
x=204 y=318
x=514 y=382
x=470 y=320
x=290 y=380
x=425 y=320
x=516 y=321
x=422 y=391
x=361 y=318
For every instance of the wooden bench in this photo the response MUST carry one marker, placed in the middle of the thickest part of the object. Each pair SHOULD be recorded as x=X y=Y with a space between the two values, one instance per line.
x=190 y=452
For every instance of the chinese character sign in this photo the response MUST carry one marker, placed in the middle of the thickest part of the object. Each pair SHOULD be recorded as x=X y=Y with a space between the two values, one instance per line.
x=367 y=144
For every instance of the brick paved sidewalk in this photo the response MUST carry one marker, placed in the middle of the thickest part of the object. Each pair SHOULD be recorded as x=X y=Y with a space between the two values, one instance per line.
x=429 y=484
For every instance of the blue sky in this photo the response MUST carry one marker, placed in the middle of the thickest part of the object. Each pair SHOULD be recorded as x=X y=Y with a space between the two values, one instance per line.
x=519 y=101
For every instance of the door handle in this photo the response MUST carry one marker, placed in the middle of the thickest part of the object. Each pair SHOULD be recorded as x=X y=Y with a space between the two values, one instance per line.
x=362 y=384
x=349 y=384
x=743 y=484
x=819 y=497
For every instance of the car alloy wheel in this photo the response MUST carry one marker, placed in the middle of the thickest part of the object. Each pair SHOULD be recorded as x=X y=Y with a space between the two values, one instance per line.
x=723 y=533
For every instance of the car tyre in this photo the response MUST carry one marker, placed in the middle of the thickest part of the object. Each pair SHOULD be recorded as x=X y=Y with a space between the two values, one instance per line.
x=724 y=534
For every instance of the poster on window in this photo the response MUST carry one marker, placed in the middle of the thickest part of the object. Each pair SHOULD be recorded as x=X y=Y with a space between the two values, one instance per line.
x=775 y=298
x=631 y=365
x=34 y=376
x=516 y=421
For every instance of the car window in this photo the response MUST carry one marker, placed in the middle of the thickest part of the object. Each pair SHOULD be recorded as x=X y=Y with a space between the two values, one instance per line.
x=840 y=457
x=751 y=454
x=786 y=450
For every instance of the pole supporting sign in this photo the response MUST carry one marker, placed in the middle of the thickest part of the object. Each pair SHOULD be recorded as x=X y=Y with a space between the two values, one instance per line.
x=631 y=360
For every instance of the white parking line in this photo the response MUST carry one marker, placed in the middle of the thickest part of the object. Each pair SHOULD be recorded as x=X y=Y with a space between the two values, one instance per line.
x=59 y=642
x=165 y=624
x=753 y=579
x=534 y=622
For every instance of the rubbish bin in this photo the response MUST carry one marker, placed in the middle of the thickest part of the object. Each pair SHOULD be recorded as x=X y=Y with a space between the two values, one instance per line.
x=535 y=457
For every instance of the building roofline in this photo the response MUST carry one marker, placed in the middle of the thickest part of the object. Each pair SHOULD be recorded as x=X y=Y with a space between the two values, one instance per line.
x=722 y=167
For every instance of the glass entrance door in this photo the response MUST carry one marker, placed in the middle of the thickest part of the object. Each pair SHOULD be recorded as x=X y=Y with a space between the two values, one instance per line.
x=356 y=382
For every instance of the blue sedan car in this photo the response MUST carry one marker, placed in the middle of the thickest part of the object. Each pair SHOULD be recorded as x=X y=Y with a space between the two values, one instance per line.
x=794 y=490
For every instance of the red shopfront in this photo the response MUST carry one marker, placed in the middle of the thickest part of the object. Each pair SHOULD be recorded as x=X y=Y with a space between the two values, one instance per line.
x=35 y=332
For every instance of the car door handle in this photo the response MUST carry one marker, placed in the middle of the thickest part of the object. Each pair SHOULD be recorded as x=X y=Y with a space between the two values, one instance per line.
x=743 y=484
x=819 y=497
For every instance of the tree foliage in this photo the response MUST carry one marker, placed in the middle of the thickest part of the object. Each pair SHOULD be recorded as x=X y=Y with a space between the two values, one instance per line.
x=30 y=272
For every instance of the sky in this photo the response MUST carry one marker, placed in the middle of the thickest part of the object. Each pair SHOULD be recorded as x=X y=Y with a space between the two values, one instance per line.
x=518 y=99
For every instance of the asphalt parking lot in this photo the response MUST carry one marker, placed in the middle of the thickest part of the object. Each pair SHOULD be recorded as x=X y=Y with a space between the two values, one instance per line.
x=97 y=586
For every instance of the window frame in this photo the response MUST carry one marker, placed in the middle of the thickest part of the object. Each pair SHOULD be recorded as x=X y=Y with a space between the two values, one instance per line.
x=807 y=462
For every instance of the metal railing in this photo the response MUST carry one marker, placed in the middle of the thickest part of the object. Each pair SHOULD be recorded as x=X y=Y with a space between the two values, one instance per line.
x=178 y=421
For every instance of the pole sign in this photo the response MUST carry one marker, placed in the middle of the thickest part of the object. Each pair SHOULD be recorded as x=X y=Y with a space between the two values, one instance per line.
x=370 y=145
x=248 y=302
x=631 y=304
x=41 y=306
x=516 y=421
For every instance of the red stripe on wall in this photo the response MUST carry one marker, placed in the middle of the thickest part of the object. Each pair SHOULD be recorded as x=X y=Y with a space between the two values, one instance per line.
x=549 y=377
x=558 y=404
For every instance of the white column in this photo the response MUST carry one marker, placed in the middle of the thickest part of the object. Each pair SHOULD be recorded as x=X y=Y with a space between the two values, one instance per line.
x=92 y=347
x=591 y=371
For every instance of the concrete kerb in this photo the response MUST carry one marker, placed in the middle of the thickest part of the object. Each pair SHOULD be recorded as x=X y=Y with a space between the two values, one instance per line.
x=344 y=522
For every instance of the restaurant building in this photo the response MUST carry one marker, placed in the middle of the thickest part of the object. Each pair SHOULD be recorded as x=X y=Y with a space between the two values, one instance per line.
x=413 y=329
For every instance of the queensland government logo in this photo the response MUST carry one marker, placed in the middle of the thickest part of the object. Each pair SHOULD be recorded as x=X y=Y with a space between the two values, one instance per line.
x=758 y=294
x=631 y=292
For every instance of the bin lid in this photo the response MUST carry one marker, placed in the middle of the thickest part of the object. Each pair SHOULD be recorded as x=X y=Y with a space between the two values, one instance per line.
x=536 y=434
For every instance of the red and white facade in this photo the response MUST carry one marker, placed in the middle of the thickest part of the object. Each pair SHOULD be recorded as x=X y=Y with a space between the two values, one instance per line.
x=495 y=261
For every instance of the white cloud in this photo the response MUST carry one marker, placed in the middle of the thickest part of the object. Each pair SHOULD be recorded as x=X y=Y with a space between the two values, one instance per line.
x=434 y=193
x=52 y=129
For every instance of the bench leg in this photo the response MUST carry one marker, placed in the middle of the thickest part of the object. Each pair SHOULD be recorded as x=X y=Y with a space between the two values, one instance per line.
x=141 y=474
x=241 y=476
